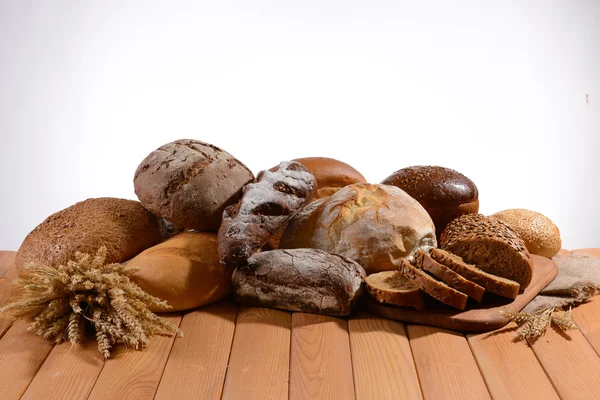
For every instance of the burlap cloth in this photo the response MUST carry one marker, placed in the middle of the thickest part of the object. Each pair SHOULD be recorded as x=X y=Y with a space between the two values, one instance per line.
x=577 y=281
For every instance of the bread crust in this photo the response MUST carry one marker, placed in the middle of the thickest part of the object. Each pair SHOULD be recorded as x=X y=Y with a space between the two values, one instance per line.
x=391 y=287
x=190 y=183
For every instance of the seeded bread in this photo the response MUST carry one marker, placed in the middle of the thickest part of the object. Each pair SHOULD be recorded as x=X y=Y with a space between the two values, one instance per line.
x=492 y=283
x=265 y=207
x=491 y=245
x=448 y=276
x=392 y=287
x=540 y=234
x=305 y=280
x=436 y=289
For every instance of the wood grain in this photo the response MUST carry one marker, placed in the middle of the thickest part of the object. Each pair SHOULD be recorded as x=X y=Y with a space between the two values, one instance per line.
x=198 y=361
x=478 y=317
x=21 y=355
x=381 y=359
x=445 y=364
x=7 y=292
x=260 y=355
x=132 y=374
x=570 y=362
x=69 y=372
x=7 y=260
x=320 y=362
x=503 y=361
x=587 y=318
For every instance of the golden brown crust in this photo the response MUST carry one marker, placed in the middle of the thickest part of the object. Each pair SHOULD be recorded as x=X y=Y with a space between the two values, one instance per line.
x=331 y=173
x=184 y=270
x=540 y=234
x=125 y=227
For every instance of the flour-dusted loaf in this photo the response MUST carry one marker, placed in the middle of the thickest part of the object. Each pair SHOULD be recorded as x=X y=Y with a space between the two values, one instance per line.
x=392 y=287
x=492 y=283
x=123 y=226
x=371 y=224
x=436 y=289
x=540 y=234
x=448 y=276
x=491 y=245
x=190 y=183
x=265 y=207
x=306 y=280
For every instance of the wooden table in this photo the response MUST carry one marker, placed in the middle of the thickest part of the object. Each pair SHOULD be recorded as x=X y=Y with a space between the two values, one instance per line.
x=254 y=353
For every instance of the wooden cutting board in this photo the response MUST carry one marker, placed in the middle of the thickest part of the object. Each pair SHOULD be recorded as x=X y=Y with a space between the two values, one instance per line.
x=478 y=317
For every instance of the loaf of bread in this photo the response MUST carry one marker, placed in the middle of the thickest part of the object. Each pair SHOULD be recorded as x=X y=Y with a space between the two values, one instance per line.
x=448 y=276
x=491 y=283
x=123 y=226
x=331 y=174
x=445 y=194
x=540 y=234
x=436 y=289
x=491 y=245
x=263 y=209
x=299 y=231
x=300 y=280
x=184 y=271
x=369 y=223
x=392 y=287
x=190 y=183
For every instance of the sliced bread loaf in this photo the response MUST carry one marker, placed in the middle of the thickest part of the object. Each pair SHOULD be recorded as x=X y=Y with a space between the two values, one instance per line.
x=491 y=245
x=448 y=276
x=436 y=289
x=492 y=283
x=391 y=287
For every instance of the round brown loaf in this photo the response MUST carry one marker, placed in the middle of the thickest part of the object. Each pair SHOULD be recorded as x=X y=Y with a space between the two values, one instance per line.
x=369 y=223
x=445 y=194
x=184 y=270
x=299 y=231
x=190 y=183
x=123 y=226
x=331 y=174
x=540 y=234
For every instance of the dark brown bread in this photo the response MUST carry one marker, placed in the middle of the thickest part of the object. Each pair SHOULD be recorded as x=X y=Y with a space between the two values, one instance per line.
x=392 y=287
x=445 y=194
x=263 y=209
x=491 y=245
x=190 y=183
x=299 y=231
x=448 y=276
x=305 y=280
x=492 y=283
x=436 y=289
x=125 y=227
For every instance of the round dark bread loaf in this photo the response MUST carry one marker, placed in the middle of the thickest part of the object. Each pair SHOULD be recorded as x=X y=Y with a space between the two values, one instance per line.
x=445 y=194
x=305 y=280
x=190 y=183
x=125 y=227
x=491 y=245
x=263 y=209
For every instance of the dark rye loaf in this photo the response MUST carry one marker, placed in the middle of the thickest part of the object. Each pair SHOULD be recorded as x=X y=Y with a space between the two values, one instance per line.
x=307 y=280
x=491 y=245
x=265 y=207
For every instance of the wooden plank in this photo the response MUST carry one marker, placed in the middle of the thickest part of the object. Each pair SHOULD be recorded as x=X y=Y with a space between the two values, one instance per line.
x=320 y=362
x=587 y=318
x=69 y=372
x=381 y=359
x=198 y=362
x=21 y=355
x=564 y=252
x=7 y=260
x=133 y=374
x=7 y=292
x=570 y=362
x=260 y=355
x=509 y=368
x=445 y=364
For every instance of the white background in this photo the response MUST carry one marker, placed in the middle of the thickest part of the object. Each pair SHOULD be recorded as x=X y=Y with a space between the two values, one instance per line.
x=497 y=92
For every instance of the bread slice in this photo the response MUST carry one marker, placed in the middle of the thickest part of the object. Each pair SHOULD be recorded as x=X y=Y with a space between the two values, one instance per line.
x=391 y=287
x=491 y=245
x=492 y=283
x=436 y=289
x=448 y=276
